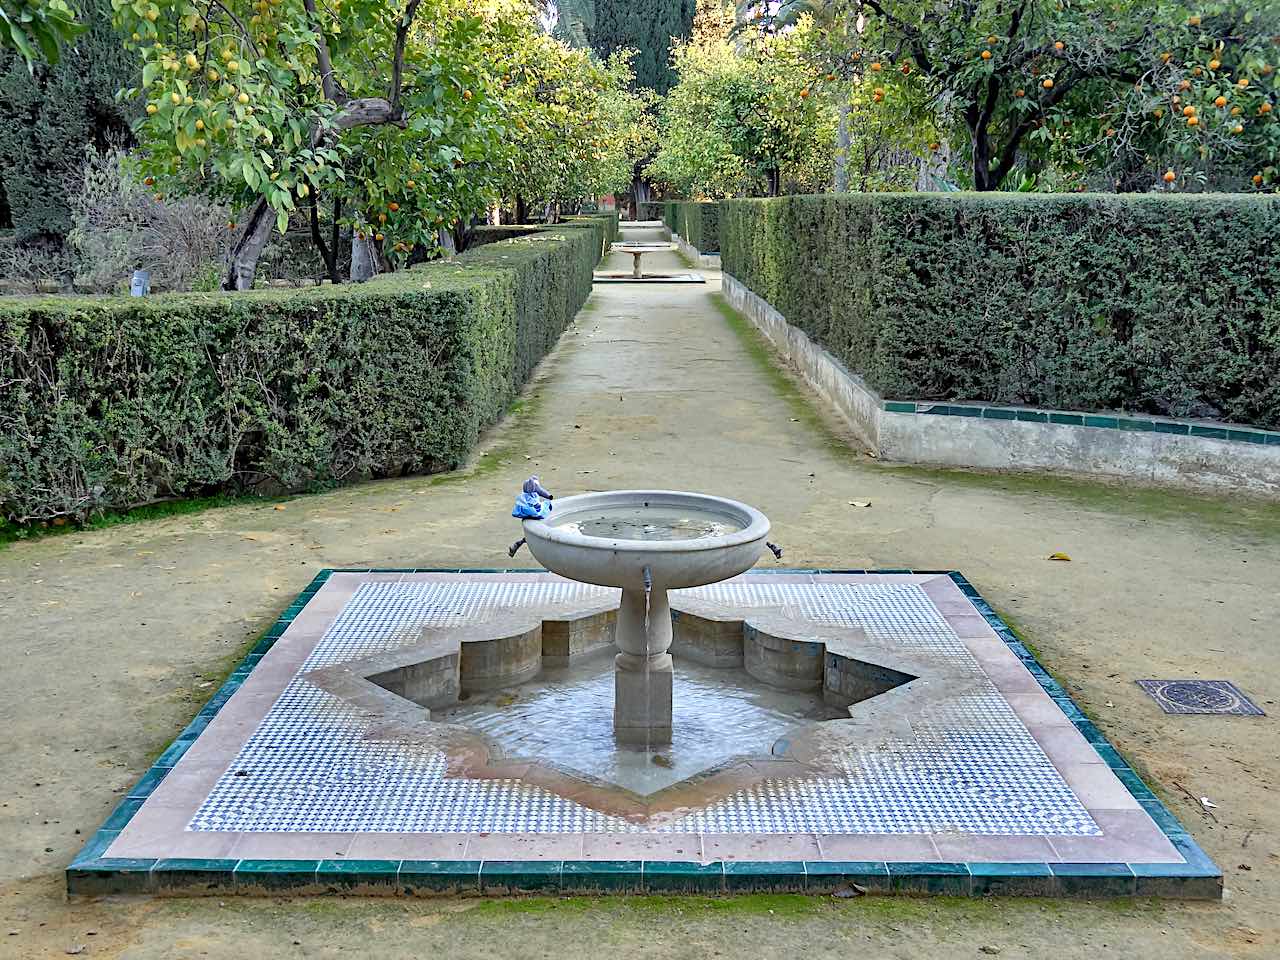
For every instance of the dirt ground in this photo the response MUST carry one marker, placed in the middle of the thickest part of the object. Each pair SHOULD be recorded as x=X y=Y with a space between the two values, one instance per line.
x=112 y=639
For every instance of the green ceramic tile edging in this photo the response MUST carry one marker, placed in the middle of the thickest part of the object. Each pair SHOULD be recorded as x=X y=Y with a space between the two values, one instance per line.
x=1181 y=428
x=92 y=874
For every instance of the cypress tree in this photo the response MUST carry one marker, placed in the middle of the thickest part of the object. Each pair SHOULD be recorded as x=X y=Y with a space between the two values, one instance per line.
x=647 y=26
x=49 y=117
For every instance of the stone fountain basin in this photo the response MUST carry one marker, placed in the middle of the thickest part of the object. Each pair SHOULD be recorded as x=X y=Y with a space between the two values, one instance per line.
x=673 y=564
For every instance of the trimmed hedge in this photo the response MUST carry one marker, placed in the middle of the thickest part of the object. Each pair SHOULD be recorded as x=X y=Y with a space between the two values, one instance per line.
x=651 y=210
x=697 y=222
x=1155 y=304
x=112 y=402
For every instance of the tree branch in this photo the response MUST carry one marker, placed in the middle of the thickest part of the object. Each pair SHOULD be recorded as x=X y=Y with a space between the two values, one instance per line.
x=328 y=82
x=397 y=64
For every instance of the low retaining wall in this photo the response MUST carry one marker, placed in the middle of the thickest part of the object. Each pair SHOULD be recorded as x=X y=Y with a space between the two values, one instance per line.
x=708 y=261
x=1152 y=450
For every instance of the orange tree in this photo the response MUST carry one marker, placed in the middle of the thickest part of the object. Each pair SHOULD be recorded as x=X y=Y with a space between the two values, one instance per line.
x=385 y=111
x=1092 y=82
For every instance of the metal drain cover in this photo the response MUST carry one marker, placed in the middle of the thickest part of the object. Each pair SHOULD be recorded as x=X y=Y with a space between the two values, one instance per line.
x=1201 y=696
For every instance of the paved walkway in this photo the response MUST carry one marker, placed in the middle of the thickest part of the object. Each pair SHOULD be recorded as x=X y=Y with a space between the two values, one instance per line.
x=112 y=639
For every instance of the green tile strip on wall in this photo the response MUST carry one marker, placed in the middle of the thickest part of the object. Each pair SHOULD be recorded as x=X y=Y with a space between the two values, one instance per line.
x=1101 y=421
x=93 y=874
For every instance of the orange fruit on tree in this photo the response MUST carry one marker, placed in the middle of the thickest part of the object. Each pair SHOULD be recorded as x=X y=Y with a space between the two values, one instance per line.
x=1193 y=21
x=1111 y=131
x=1242 y=82
x=1193 y=121
x=1257 y=179
x=1236 y=111
x=1019 y=92
x=1265 y=109
x=906 y=69
x=1196 y=72
x=393 y=207
x=1059 y=46
x=1184 y=85
x=1170 y=176
x=1048 y=83
x=1214 y=64
x=1238 y=128
x=1188 y=111
x=1158 y=113
x=986 y=54
x=1220 y=102
x=877 y=66
x=1166 y=57
x=804 y=92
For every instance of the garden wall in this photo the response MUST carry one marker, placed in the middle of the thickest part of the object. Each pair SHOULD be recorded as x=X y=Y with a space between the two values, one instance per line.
x=1096 y=334
x=112 y=402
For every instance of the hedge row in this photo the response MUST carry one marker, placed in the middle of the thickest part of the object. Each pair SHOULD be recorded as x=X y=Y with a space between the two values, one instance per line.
x=111 y=402
x=698 y=223
x=651 y=210
x=1154 y=304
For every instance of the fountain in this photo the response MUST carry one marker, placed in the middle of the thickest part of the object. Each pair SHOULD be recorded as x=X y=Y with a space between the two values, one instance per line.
x=646 y=542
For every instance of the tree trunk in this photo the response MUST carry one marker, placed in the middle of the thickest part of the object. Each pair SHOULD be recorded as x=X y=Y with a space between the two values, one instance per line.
x=328 y=253
x=365 y=261
x=242 y=260
x=522 y=210
x=840 y=175
x=773 y=181
x=444 y=236
x=981 y=162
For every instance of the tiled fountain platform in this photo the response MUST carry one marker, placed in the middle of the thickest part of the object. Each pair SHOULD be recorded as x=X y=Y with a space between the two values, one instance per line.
x=976 y=776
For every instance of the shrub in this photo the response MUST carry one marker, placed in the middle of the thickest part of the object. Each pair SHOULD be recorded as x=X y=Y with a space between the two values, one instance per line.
x=697 y=222
x=1155 y=304
x=113 y=402
x=651 y=210
x=119 y=226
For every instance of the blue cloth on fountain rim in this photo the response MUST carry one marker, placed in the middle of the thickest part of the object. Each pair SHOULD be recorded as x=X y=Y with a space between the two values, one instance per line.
x=530 y=506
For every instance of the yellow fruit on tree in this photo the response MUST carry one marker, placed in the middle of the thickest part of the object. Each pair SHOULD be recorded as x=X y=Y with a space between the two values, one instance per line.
x=1193 y=21
x=152 y=109
x=1214 y=64
x=378 y=237
x=1238 y=128
x=176 y=98
x=192 y=62
x=153 y=15
x=232 y=66
x=188 y=101
x=993 y=39
x=213 y=75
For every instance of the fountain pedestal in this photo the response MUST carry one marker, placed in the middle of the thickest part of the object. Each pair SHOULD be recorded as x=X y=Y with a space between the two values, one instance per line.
x=646 y=542
x=642 y=670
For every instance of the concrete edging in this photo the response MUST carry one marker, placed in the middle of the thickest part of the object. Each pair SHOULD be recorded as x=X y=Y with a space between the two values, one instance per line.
x=708 y=261
x=1150 y=450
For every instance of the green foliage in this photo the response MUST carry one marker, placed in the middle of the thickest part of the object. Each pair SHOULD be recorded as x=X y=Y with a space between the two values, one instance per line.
x=110 y=403
x=48 y=114
x=741 y=120
x=698 y=223
x=37 y=29
x=1153 y=304
x=647 y=26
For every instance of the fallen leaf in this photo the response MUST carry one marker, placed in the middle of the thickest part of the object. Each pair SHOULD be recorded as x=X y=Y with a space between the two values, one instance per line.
x=859 y=503
x=1059 y=556
x=1208 y=804
x=279 y=506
